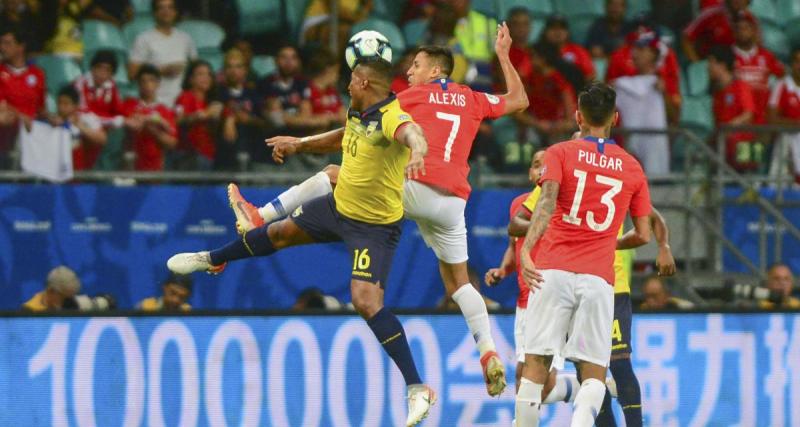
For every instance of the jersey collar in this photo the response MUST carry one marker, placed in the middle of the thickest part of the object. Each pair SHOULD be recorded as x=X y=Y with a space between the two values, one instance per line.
x=372 y=108
x=599 y=142
x=443 y=82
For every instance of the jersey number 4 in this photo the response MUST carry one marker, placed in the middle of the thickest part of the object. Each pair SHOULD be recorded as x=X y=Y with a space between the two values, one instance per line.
x=607 y=199
x=456 y=120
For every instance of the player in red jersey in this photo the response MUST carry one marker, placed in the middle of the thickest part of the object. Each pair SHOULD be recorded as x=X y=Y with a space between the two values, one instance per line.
x=449 y=114
x=588 y=186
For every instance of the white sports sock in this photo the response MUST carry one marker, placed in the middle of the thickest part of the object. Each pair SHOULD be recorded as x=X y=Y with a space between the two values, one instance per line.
x=588 y=403
x=289 y=200
x=529 y=398
x=566 y=388
x=473 y=308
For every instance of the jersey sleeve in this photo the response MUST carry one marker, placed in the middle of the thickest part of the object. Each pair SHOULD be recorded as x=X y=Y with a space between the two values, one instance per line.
x=553 y=164
x=393 y=118
x=775 y=66
x=640 y=202
x=489 y=106
x=533 y=197
x=775 y=96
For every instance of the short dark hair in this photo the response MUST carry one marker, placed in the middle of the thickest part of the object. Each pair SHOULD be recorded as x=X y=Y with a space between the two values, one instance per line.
x=597 y=103
x=518 y=10
x=379 y=67
x=193 y=65
x=105 y=56
x=320 y=61
x=148 y=69
x=70 y=92
x=21 y=35
x=182 y=280
x=442 y=55
x=723 y=54
x=154 y=3
x=547 y=51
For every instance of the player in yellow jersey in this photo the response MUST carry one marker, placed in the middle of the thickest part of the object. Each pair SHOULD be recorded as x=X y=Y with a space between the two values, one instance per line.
x=381 y=147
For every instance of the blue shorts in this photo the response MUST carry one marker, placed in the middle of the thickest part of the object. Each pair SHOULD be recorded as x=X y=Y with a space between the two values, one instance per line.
x=371 y=245
x=621 y=332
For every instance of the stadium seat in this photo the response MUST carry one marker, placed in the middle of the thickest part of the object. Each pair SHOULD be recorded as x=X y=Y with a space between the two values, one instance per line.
x=774 y=38
x=390 y=10
x=263 y=65
x=505 y=131
x=141 y=7
x=765 y=11
x=697 y=78
x=139 y=25
x=58 y=71
x=486 y=7
x=386 y=28
x=414 y=30
x=206 y=34
x=102 y=35
x=579 y=27
x=537 y=26
x=259 y=16
x=538 y=8
x=600 y=67
x=214 y=57
x=696 y=115
x=295 y=13
x=787 y=11
x=637 y=8
x=579 y=7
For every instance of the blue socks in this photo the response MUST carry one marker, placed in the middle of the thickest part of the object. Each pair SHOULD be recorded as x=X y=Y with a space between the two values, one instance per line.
x=389 y=332
x=255 y=242
x=629 y=394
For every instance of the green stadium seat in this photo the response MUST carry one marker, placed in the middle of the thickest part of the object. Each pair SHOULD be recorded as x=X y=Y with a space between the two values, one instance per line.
x=538 y=8
x=766 y=11
x=637 y=8
x=142 y=7
x=295 y=14
x=414 y=30
x=259 y=16
x=600 y=67
x=139 y=25
x=390 y=10
x=537 y=26
x=579 y=27
x=787 y=10
x=214 y=57
x=505 y=130
x=206 y=34
x=774 y=38
x=386 y=28
x=99 y=35
x=579 y=7
x=486 y=7
x=697 y=78
x=58 y=71
x=263 y=65
x=696 y=115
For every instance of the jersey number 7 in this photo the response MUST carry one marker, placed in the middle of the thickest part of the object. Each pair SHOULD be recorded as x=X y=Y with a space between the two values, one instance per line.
x=607 y=199
x=456 y=120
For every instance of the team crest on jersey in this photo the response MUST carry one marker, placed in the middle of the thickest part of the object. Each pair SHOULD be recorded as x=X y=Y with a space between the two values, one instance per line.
x=371 y=128
x=492 y=99
x=31 y=80
x=403 y=117
x=297 y=212
x=729 y=98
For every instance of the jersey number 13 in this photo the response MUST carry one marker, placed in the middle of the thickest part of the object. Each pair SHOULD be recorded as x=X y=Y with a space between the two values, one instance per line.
x=615 y=186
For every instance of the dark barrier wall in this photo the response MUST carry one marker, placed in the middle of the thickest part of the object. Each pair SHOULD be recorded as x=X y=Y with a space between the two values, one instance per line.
x=695 y=370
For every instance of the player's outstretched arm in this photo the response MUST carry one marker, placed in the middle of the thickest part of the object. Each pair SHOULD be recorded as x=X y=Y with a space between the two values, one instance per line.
x=412 y=137
x=515 y=97
x=665 y=262
x=518 y=226
x=285 y=146
x=638 y=236
x=507 y=265
x=539 y=221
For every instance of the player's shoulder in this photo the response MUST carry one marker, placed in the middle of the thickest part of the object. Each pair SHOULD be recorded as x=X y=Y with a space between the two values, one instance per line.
x=517 y=202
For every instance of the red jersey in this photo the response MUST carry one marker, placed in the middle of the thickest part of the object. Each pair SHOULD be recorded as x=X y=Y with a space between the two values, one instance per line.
x=449 y=114
x=198 y=134
x=578 y=55
x=149 y=153
x=620 y=64
x=23 y=88
x=517 y=207
x=84 y=153
x=399 y=84
x=754 y=67
x=102 y=100
x=729 y=103
x=599 y=183
x=545 y=95
x=713 y=26
x=324 y=100
x=521 y=60
x=785 y=98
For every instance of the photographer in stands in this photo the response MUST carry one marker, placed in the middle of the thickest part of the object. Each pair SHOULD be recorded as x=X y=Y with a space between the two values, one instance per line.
x=177 y=291
x=61 y=293
x=780 y=282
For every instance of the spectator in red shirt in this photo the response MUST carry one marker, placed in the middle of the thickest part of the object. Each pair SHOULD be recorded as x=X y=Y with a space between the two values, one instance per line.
x=713 y=26
x=89 y=138
x=151 y=125
x=519 y=25
x=621 y=64
x=784 y=109
x=556 y=32
x=326 y=104
x=734 y=105
x=98 y=91
x=197 y=113
x=607 y=33
x=754 y=63
x=552 y=100
x=22 y=90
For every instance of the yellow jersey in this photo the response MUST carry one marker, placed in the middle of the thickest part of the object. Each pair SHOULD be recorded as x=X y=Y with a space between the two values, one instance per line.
x=370 y=184
x=623 y=260
x=36 y=303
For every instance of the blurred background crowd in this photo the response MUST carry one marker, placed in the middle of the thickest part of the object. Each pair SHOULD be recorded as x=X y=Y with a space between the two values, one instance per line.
x=151 y=85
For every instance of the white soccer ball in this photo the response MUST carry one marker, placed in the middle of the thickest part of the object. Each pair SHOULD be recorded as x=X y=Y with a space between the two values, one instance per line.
x=365 y=44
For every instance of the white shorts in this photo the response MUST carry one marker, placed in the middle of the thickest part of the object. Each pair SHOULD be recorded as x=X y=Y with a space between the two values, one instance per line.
x=440 y=218
x=519 y=334
x=571 y=316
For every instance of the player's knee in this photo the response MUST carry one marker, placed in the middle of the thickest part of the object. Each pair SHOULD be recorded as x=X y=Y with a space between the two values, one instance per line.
x=333 y=173
x=279 y=234
x=366 y=303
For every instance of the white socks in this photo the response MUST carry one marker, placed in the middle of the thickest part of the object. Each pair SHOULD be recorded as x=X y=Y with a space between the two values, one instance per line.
x=529 y=398
x=566 y=388
x=473 y=308
x=316 y=186
x=588 y=403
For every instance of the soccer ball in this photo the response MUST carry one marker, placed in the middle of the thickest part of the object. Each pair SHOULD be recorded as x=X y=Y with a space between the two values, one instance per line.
x=365 y=44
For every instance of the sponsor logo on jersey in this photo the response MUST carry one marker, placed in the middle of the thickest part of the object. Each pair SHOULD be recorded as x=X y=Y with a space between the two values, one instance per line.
x=494 y=100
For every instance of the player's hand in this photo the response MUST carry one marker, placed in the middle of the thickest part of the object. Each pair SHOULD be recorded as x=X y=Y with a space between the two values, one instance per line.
x=531 y=275
x=665 y=262
x=415 y=166
x=494 y=276
x=282 y=147
x=503 y=43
